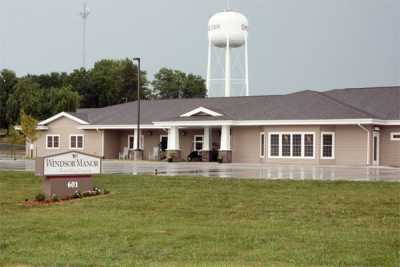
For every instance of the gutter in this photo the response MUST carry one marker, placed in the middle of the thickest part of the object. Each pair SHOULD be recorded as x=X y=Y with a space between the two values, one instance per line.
x=368 y=142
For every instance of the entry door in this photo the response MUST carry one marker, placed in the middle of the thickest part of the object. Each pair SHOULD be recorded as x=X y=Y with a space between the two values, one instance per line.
x=163 y=142
x=375 y=148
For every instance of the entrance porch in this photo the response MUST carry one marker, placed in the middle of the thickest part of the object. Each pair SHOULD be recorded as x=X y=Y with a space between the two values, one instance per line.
x=206 y=144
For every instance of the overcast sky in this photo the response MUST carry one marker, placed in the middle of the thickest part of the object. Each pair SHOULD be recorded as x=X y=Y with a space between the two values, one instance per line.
x=294 y=44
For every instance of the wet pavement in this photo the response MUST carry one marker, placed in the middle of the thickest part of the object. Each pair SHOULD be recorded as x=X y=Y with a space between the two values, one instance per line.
x=256 y=171
x=236 y=170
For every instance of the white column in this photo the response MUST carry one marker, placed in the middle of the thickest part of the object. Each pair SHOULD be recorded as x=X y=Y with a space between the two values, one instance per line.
x=227 y=68
x=206 y=139
x=173 y=138
x=246 y=56
x=135 y=135
x=225 y=138
x=208 y=82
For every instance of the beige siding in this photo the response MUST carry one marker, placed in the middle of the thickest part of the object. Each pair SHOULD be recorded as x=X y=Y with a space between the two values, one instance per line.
x=351 y=145
x=112 y=144
x=245 y=144
x=389 y=150
x=66 y=127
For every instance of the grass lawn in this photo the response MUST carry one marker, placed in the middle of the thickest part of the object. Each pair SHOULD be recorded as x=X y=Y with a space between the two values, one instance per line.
x=186 y=221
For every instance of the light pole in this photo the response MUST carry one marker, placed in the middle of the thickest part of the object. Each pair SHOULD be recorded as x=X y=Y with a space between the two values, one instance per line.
x=138 y=153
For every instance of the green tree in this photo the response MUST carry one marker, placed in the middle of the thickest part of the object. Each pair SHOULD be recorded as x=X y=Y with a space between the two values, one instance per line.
x=29 y=129
x=8 y=81
x=169 y=83
x=15 y=138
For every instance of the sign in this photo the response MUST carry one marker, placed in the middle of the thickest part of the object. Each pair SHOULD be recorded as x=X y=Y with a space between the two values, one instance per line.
x=71 y=163
x=67 y=173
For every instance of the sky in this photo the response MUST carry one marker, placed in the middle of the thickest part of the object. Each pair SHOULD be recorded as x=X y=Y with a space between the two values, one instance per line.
x=293 y=44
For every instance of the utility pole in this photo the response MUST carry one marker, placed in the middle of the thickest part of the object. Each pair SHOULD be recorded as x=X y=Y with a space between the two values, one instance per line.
x=84 y=14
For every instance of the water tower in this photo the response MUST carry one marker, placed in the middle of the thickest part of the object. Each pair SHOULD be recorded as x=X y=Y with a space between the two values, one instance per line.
x=228 y=30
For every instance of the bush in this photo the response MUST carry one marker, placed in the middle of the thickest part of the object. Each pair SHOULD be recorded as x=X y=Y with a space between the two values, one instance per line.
x=40 y=197
x=55 y=198
x=77 y=194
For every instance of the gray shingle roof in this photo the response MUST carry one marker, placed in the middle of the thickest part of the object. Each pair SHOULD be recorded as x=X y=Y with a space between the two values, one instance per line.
x=362 y=103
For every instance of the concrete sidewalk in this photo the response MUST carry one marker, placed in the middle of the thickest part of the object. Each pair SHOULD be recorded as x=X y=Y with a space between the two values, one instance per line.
x=236 y=170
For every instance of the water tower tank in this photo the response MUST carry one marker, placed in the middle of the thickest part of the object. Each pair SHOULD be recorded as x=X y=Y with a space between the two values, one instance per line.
x=228 y=24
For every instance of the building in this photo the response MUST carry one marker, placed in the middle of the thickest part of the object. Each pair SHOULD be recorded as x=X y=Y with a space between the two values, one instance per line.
x=337 y=127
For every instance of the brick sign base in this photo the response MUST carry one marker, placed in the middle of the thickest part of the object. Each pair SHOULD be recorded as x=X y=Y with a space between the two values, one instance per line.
x=66 y=186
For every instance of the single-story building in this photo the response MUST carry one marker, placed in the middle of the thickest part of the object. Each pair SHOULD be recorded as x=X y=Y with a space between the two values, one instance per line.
x=346 y=126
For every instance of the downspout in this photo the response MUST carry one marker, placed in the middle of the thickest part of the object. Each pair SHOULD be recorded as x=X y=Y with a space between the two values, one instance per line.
x=368 y=142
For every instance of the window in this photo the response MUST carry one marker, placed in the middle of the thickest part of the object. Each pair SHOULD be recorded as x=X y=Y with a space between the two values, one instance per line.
x=52 y=141
x=198 y=143
x=76 y=142
x=262 y=145
x=286 y=145
x=309 y=145
x=132 y=141
x=291 y=145
x=395 y=136
x=274 y=145
x=327 y=145
x=297 y=145
x=163 y=142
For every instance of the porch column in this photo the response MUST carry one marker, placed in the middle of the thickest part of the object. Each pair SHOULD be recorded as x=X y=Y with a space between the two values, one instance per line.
x=173 y=148
x=225 y=152
x=206 y=150
x=137 y=151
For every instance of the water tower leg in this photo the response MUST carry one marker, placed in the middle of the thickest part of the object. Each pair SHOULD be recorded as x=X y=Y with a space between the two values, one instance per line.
x=246 y=58
x=228 y=69
x=208 y=82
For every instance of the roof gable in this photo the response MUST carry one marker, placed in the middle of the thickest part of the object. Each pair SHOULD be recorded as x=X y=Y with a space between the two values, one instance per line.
x=61 y=115
x=201 y=111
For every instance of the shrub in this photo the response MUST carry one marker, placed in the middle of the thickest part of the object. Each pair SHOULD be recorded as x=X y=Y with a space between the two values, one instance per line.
x=77 y=194
x=55 y=198
x=40 y=197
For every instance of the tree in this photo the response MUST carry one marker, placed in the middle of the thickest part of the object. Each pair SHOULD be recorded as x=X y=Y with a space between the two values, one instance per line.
x=28 y=97
x=8 y=80
x=115 y=82
x=29 y=129
x=169 y=83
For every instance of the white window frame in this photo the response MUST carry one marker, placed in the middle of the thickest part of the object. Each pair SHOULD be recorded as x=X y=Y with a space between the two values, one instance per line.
x=261 y=147
x=392 y=138
x=303 y=134
x=141 y=145
x=83 y=141
x=333 y=145
x=52 y=136
x=195 y=142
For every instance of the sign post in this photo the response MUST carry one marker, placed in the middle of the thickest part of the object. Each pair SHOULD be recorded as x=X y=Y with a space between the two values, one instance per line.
x=66 y=173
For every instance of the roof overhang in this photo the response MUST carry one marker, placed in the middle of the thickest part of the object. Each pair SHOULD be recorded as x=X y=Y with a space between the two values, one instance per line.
x=63 y=114
x=277 y=122
x=39 y=128
x=120 y=127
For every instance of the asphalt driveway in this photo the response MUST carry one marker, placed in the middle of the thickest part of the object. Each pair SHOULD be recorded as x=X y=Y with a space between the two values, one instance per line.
x=235 y=170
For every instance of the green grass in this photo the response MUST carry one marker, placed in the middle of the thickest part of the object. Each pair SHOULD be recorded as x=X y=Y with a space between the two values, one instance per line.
x=186 y=221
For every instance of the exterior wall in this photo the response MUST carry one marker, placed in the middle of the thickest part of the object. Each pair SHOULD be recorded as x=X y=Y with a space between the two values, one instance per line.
x=245 y=144
x=66 y=127
x=389 y=150
x=186 y=140
x=112 y=144
x=351 y=145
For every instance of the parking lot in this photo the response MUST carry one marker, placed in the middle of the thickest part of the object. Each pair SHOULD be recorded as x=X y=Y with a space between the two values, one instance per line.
x=235 y=170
